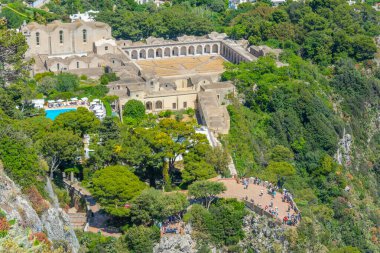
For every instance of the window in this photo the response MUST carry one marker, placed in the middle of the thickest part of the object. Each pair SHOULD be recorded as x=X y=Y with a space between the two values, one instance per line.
x=84 y=35
x=174 y=106
x=57 y=66
x=106 y=48
x=184 y=104
x=37 y=38
x=77 y=64
x=61 y=37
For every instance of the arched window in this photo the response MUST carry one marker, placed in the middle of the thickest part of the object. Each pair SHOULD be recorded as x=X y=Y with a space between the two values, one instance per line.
x=84 y=35
x=37 y=38
x=61 y=37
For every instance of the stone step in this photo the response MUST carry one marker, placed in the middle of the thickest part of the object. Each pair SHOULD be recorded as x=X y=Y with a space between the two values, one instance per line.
x=78 y=220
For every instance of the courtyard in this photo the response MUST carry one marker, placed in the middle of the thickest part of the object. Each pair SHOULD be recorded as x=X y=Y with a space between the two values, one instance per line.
x=183 y=65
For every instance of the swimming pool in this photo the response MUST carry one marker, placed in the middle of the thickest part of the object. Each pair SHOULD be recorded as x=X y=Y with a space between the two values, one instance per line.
x=52 y=114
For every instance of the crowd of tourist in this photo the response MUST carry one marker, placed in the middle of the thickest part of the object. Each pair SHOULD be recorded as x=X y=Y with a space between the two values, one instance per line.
x=272 y=190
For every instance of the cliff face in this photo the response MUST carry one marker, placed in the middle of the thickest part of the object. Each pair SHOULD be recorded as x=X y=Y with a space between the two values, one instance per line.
x=53 y=221
x=16 y=206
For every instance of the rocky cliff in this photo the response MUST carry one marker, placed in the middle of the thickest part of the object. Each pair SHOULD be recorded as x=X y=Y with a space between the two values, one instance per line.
x=53 y=221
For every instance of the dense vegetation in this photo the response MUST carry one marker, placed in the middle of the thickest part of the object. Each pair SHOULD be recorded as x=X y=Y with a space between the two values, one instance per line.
x=286 y=124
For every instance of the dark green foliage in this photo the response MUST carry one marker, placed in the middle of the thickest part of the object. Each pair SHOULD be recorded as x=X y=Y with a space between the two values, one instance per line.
x=154 y=205
x=108 y=77
x=196 y=166
x=141 y=239
x=222 y=222
x=109 y=129
x=94 y=242
x=80 y=121
x=207 y=191
x=114 y=187
x=60 y=148
x=134 y=109
x=67 y=82
x=19 y=158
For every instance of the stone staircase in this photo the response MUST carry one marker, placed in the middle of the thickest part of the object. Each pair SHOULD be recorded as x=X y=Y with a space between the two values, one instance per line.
x=78 y=220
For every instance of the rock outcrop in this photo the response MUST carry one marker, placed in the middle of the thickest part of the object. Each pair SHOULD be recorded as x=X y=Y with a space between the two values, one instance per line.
x=175 y=244
x=54 y=220
x=263 y=235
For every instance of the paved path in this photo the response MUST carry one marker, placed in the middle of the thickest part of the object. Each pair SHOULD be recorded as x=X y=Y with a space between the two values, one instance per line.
x=98 y=220
x=235 y=190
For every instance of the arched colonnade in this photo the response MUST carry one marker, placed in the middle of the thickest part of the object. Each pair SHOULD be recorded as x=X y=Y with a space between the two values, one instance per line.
x=173 y=51
x=155 y=105
x=229 y=54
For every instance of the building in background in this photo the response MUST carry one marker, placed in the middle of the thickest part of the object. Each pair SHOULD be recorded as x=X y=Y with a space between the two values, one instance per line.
x=80 y=47
x=87 y=16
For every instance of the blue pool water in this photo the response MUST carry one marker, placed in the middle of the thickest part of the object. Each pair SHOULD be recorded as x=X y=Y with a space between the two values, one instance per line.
x=52 y=114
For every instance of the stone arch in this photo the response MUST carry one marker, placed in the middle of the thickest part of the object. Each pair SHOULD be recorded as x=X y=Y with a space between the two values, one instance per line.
x=207 y=49
x=191 y=50
x=158 y=105
x=159 y=52
x=151 y=53
x=167 y=52
x=183 y=50
x=142 y=54
x=149 y=106
x=199 y=49
x=215 y=48
x=134 y=55
x=175 y=51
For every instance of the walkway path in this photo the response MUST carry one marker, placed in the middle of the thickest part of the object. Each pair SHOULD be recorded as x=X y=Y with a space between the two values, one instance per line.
x=98 y=220
x=235 y=190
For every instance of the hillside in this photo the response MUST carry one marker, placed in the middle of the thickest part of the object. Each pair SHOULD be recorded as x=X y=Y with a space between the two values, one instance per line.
x=305 y=123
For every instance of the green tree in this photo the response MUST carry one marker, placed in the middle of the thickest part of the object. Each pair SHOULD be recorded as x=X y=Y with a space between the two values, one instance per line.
x=147 y=207
x=60 y=147
x=364 y=47
x=277 y=170
x=226 y=224
x=207 y=190
x=114 y=186
x=18 y=156
x=134 y=109
x=142 y=239
x=109 y=130
x=12 y=49
x=219 y=158
x=47 y=85
x=196 y=166
x=80 y=121
x=67 y=82
x=197 y=170
x=281 y=154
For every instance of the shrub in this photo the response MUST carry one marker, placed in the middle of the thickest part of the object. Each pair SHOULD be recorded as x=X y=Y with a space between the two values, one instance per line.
x=4 y=227
x=141 y=239
x=39 y=204
x=134 y=109
x=108 y=77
